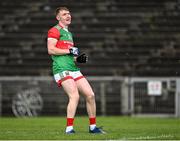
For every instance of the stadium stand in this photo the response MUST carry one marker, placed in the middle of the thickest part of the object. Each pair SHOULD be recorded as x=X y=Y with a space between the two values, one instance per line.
x=124 y=38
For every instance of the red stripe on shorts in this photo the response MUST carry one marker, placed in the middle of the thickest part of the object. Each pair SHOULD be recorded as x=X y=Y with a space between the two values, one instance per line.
x=63 y=79
x=78 y=78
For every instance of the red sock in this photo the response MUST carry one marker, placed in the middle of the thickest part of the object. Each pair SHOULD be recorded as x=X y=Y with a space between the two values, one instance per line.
x=92 y=120
x=70 y=121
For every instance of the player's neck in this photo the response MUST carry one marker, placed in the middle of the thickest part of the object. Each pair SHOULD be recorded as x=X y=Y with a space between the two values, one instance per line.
x=62 y=25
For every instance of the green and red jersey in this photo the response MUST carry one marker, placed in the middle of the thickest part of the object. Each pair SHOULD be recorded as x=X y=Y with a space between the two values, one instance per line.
x=65 y=41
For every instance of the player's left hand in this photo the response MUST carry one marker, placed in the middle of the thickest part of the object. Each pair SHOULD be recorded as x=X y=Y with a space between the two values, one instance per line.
x=83 y=58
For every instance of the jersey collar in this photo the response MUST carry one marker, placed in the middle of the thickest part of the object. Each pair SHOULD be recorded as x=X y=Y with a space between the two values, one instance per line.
x=62 y=26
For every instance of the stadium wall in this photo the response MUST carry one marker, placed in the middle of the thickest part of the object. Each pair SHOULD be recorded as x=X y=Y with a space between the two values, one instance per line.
x=135 y=96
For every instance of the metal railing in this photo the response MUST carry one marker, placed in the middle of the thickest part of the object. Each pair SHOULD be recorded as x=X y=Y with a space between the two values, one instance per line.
x=40 y=96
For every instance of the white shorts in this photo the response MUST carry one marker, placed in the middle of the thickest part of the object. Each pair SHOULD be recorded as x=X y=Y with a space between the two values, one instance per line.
x=62 y=76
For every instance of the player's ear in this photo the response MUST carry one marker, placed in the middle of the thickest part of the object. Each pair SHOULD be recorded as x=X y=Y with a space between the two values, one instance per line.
x=58 y=17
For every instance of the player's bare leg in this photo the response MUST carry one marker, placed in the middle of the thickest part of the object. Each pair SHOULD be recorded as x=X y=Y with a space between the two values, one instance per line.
x=71 y=90
x=86 y=90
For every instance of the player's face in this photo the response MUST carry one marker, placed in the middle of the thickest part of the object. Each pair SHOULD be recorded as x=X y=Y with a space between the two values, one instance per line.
x=64 y=17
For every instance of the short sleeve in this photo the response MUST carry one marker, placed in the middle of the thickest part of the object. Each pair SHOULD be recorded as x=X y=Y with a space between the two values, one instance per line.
x=53 y=33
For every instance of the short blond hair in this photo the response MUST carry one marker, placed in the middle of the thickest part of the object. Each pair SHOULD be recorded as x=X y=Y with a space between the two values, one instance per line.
x=60 y=8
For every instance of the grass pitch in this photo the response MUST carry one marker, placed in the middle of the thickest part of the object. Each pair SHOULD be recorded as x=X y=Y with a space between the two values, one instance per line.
x=117 y=128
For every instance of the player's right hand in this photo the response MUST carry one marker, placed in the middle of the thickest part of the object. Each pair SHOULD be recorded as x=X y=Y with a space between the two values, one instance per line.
x=74 y=51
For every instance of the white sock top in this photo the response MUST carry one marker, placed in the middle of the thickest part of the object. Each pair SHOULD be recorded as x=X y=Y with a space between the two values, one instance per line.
x=69 y=128
x=92 y=126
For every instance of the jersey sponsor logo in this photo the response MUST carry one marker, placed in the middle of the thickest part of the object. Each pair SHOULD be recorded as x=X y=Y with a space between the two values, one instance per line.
x=68 y=42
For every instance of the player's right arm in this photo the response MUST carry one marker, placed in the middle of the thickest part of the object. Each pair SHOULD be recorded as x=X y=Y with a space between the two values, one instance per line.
x=53 y=36
x=53 y=50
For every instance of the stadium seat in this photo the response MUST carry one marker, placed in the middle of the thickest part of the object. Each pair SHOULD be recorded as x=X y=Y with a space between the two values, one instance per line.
x=121 y=37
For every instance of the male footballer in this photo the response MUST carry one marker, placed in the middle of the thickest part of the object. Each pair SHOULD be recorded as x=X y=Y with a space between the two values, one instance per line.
x=64 y=55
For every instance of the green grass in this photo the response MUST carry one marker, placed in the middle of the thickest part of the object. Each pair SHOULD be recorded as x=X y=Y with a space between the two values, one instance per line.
x=117 y=128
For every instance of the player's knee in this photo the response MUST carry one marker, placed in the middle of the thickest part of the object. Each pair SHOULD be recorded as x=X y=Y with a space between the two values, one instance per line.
x=90 y=97
x=75 y=97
